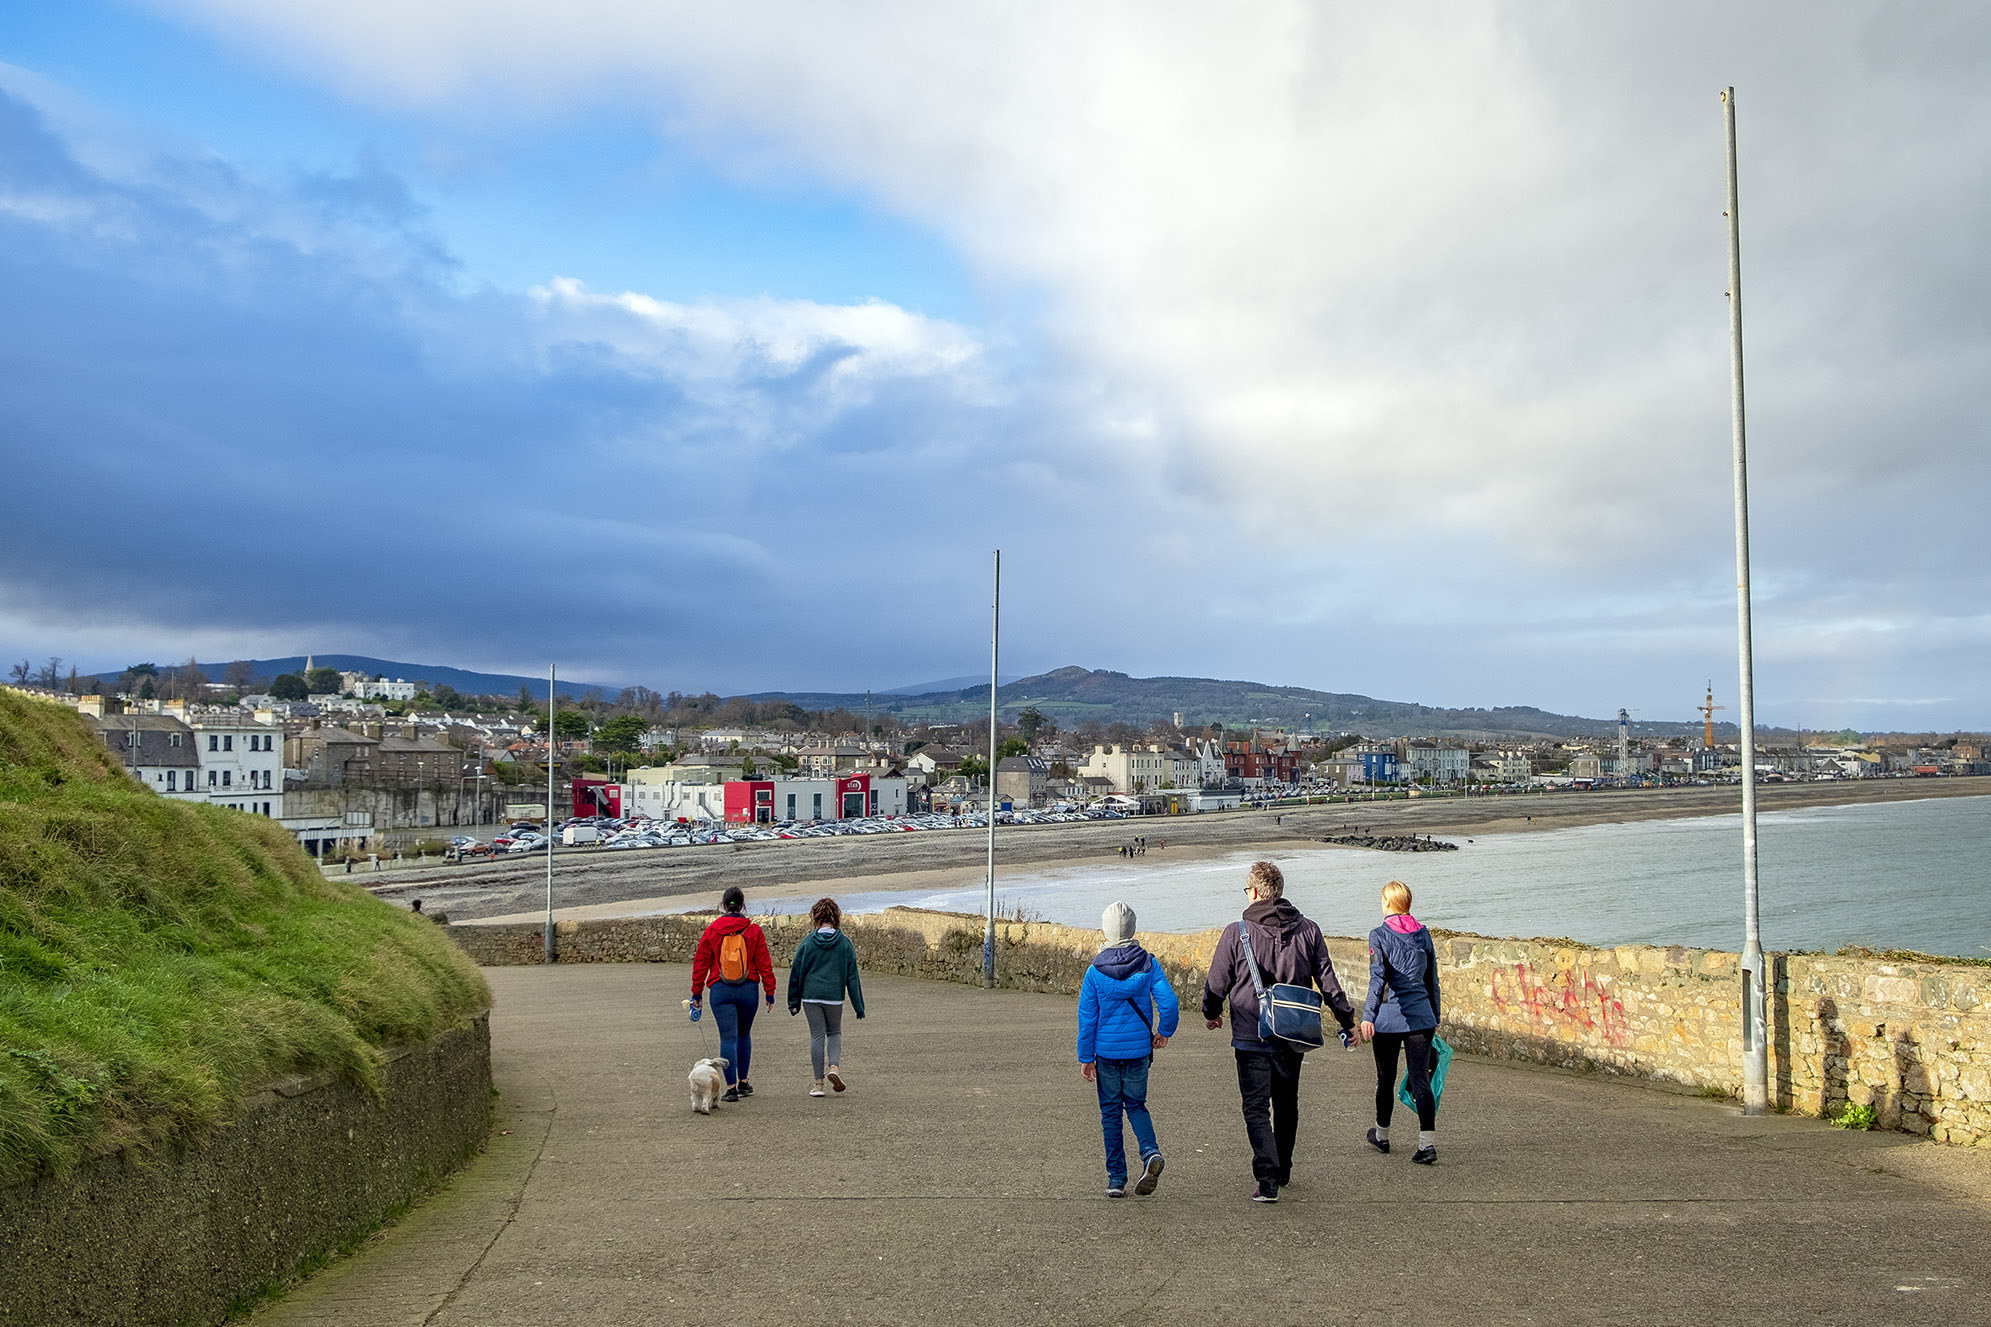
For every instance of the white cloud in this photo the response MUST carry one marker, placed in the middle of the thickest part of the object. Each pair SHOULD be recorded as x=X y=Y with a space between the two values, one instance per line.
x=727 y=340
x=1468 y=253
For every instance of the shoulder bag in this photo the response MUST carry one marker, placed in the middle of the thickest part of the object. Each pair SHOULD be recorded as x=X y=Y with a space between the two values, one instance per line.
x=1287 y=1014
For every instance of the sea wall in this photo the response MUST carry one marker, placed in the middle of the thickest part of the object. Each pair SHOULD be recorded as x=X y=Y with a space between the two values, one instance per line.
x=1910 y=1037
x=179 y=1235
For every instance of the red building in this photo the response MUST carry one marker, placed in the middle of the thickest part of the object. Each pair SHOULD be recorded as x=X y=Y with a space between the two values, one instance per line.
x=1245 y=760
x=597 y=797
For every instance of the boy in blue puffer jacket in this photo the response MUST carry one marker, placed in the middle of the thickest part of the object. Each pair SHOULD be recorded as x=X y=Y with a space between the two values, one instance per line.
x=1126 y=1012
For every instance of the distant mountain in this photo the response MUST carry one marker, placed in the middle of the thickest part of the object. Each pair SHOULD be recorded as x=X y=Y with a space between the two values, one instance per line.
x=465 y=681
x=944 y=684
x=1072 y=695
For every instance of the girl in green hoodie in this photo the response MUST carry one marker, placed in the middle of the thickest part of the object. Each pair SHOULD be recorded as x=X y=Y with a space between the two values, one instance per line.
x=825 y=967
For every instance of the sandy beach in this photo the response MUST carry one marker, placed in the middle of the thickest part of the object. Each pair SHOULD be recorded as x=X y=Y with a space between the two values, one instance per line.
x=616 y=884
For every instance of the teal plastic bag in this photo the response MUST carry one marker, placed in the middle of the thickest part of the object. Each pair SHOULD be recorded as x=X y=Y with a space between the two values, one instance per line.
x=1442 y=1050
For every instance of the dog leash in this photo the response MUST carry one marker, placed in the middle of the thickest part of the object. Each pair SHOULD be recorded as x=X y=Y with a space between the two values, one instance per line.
x=703 y=1040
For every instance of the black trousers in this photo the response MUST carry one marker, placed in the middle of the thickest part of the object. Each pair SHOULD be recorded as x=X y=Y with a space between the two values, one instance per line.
x=1416 y=1047
x=1269 y=1082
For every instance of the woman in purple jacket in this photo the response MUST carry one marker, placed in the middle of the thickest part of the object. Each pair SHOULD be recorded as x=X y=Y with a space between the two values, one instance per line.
x=1401 y=1015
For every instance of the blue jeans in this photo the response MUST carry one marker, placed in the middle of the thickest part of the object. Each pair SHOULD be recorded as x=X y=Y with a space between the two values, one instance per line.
x=1123 y=1087
x=733 y=1007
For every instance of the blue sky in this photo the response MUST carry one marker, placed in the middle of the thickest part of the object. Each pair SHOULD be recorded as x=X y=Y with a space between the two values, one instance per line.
x=598 y=196
x=1306 y=344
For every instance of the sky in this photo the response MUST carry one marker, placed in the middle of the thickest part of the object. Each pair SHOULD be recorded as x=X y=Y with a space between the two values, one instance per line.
x=718 y=347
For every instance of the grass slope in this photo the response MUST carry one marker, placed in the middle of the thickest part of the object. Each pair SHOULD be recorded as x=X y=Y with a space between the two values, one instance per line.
x=160 y=960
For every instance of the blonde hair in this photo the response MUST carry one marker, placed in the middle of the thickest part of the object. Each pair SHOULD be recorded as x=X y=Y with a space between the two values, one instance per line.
x=1266 y=880
x=1396 y=897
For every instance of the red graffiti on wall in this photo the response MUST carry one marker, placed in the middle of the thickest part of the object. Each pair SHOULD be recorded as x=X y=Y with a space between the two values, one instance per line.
x=1570 y=1005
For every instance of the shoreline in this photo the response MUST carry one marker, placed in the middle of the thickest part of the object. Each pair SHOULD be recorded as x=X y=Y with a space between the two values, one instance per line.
x=482 y=891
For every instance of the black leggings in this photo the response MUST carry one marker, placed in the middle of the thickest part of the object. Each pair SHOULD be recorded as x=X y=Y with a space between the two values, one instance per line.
x=1416 y=1047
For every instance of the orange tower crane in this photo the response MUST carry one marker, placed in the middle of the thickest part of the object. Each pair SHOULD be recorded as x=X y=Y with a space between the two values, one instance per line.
x=1708 y=707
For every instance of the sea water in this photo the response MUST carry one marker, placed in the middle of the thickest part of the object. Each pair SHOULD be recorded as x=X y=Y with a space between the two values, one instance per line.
x=1888 y=875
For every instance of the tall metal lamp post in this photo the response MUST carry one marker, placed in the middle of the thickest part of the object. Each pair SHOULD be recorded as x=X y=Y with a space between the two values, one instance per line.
x=995 y=641
x=552 y=693
x=1755 y=1047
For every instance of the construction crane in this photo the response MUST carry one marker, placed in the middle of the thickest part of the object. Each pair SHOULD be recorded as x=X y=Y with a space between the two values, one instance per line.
x=1708 y=707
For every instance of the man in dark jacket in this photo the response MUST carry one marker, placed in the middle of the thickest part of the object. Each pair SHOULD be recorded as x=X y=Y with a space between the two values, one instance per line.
x=1289 y=948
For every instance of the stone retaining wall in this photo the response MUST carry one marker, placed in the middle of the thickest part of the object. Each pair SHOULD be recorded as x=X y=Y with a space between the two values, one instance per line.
x=177 y=1236
x=1909 y=1037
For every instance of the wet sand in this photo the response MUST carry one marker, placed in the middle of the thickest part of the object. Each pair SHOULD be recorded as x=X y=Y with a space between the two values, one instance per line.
x=618 y=883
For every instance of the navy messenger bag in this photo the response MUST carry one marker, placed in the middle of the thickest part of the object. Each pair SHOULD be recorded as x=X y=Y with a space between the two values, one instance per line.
x=1286 y=1013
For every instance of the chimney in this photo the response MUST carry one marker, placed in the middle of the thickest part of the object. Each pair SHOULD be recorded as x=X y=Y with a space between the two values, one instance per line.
x=90 y=705
x=371 y=729
x=408 y=731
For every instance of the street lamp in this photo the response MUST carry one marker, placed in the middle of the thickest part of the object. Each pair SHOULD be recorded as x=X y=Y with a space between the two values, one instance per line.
x=1755 y=1048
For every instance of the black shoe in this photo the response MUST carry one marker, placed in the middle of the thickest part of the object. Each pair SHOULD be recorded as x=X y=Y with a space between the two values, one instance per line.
x=1116 y=1191
x=732 y=1094
x=1424 y=1156
x=746 y=1089
x=1380 y=1144
x=1265 y=1193
x=1150 y=1175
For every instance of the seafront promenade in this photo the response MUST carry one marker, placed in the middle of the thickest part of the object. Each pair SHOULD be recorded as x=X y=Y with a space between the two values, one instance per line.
x=960 y=1180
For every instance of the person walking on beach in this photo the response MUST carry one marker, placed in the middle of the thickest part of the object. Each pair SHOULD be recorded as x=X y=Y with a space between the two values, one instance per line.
x=1288 y=948
x=732 y=958
x=825 y=967
x=1126 y=1012
x=1401 y=1015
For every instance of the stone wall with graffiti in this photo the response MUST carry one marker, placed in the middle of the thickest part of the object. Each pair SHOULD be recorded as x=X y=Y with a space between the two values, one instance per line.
x=1906 y=1035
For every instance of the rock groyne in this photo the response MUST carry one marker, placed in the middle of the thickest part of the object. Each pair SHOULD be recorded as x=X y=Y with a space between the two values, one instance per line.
x=1391 y=842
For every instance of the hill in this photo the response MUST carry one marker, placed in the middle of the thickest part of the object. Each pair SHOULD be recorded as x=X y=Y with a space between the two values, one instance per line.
x=1072 y=695
x=465 y=681
x=160 y=960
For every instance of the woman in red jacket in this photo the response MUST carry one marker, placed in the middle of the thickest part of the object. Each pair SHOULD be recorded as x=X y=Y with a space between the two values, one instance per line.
x=731 y=957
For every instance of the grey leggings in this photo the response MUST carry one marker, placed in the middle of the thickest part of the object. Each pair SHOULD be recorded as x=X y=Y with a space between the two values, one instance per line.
x=825 y=1024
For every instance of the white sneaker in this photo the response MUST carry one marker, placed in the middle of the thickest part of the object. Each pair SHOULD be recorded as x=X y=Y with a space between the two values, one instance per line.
x=836 y=1078
x=816 y=1088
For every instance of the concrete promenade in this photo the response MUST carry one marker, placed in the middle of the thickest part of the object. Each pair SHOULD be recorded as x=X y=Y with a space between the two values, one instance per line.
x=961 y=1180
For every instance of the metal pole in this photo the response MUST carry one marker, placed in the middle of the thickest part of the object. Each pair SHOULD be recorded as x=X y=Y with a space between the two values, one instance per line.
x=995 y=639
x=1755 y=1046
x=546 y=950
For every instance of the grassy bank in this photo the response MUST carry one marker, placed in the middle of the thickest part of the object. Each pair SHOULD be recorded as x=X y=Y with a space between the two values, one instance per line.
x=160 y=960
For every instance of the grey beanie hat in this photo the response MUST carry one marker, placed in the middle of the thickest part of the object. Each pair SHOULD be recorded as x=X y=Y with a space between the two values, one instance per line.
x=1118 y=924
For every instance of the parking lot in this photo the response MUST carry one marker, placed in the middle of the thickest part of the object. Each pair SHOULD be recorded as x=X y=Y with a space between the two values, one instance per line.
x=610 y=834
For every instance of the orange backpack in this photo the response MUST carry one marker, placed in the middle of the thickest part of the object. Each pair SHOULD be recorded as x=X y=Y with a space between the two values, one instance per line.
x=733 y=964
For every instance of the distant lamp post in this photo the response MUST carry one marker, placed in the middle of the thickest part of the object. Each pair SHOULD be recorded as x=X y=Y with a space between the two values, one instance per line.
x=995 y=641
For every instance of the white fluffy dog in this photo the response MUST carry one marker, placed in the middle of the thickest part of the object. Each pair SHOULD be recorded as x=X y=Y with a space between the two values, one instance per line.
x=708 y=1080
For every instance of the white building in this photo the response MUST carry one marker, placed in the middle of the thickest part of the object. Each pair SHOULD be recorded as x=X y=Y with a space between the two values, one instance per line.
x=672 y=799
x=241 y=764
x=1135 y=768
x=226 y=761
x=1435 y=761
x=381 y=689
x=1209 y=753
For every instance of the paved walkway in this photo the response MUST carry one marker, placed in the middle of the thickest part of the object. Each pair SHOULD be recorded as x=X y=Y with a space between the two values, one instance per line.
x=960 y=1180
